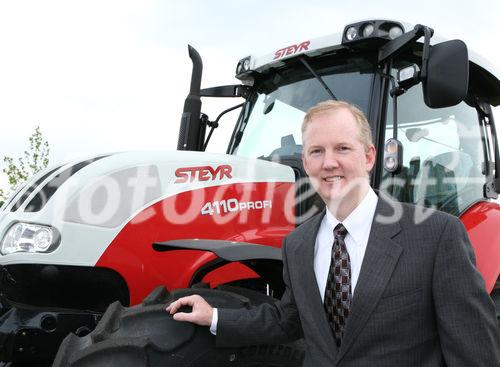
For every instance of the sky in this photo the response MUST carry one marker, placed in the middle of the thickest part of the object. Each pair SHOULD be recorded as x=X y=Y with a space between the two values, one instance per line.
x=103 y=76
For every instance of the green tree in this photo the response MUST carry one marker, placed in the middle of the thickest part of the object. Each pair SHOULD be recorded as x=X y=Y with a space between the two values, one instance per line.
x=34 y=159
x=2 y=197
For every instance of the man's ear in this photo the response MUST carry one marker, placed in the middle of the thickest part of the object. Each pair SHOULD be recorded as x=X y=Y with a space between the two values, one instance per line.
x=370 y=155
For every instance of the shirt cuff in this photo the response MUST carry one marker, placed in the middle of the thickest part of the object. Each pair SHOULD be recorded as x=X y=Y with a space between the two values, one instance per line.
x=213 y=325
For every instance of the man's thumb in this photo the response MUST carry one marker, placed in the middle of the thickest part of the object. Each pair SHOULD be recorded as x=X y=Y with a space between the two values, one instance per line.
x=183 y=316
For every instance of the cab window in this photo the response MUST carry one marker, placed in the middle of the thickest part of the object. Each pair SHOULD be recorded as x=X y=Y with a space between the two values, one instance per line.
x=442 y=154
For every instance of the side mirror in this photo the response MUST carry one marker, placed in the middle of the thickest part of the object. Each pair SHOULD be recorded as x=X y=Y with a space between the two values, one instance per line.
x=447 y=76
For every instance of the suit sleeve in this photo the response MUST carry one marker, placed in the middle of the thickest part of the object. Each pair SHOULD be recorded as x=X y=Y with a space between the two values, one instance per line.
x=465 y=313
x=265 y=324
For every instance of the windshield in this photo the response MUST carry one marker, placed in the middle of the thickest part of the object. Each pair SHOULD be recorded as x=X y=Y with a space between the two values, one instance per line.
x=273 y=126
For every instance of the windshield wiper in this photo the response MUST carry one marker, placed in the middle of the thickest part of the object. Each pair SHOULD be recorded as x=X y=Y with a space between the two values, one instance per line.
x=320 y=79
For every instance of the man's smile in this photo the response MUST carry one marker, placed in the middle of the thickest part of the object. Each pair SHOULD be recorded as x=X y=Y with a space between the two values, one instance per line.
x=333 y=178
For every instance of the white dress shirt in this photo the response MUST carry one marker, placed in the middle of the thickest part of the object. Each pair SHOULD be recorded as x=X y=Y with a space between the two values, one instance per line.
x=358 y=225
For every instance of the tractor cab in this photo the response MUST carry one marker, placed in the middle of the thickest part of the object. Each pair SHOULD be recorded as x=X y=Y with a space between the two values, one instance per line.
x=428 y=103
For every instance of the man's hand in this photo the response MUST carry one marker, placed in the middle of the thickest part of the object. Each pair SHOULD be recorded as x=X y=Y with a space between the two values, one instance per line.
x=201 y=313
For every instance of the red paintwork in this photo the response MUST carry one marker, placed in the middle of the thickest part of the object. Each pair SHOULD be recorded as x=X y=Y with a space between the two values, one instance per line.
x=131 y=253
x=482 y=222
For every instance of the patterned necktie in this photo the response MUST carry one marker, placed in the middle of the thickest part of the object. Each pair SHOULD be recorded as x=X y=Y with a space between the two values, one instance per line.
x=338 y=295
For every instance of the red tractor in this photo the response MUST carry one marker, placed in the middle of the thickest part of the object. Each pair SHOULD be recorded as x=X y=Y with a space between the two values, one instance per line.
x=80 y=236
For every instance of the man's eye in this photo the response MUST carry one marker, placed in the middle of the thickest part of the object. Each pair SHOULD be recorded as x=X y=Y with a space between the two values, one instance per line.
x=344 y=148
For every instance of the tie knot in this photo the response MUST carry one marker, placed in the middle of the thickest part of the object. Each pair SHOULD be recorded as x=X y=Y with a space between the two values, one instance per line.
x=339 y=231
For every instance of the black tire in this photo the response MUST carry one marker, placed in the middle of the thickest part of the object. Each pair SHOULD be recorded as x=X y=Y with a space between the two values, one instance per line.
x=20 y=364
x=146 y=336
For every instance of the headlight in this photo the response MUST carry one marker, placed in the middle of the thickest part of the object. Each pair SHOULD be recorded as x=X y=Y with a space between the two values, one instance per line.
x=27 y=237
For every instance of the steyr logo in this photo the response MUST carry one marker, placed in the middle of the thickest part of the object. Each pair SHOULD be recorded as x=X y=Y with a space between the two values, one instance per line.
x=290 y=50
x=202 y=173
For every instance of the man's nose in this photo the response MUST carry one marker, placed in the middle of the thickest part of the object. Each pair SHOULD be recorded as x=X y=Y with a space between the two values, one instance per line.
x=330 y=160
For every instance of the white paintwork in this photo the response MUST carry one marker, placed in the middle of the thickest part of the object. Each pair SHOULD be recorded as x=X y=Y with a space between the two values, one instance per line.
x=330 y=42
x=83 y=244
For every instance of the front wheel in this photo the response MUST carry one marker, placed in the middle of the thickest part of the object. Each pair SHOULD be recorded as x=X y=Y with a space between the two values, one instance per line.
x=146 y=336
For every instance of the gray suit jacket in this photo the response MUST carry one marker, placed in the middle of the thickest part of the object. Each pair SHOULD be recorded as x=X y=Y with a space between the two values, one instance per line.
x=419 y=300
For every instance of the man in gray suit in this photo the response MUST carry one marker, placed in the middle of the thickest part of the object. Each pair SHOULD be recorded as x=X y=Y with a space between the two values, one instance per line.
x=369 y=282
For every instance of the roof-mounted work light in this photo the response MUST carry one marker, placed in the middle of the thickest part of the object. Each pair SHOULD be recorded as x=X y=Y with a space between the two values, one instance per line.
x=243 y=65
x=371 y=32
x=244 y=70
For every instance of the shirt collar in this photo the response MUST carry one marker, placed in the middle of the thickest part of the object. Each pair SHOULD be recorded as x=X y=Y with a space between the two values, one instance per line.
x=358 y=222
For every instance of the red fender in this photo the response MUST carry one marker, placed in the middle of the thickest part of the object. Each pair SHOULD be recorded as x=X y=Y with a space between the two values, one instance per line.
x=482 y=221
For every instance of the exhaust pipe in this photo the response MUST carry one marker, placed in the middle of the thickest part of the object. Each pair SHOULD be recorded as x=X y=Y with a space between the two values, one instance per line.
x=192 y=130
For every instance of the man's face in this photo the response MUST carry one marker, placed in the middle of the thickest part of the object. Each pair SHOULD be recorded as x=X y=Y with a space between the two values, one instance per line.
x=335 y=159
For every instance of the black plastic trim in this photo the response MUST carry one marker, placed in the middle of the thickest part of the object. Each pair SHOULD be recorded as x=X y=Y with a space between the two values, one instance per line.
x=227 y=250
x=44 y=195
x=62 y=286
x=32 y=188
x=377 y=119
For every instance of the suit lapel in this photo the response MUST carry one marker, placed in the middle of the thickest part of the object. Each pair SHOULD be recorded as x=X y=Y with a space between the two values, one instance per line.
x=305 y=256
x=380 y=259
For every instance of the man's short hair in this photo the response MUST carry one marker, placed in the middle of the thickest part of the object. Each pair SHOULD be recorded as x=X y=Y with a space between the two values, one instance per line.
x=325 y=107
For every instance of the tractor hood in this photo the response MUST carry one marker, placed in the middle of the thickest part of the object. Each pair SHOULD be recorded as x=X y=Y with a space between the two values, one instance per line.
x=87 y=202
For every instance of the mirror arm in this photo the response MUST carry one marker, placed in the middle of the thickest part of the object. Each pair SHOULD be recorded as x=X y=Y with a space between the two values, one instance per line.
x=215 y=124
x=229 y=91
x=397 y=45
x=395 y=92
x=425 y=52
